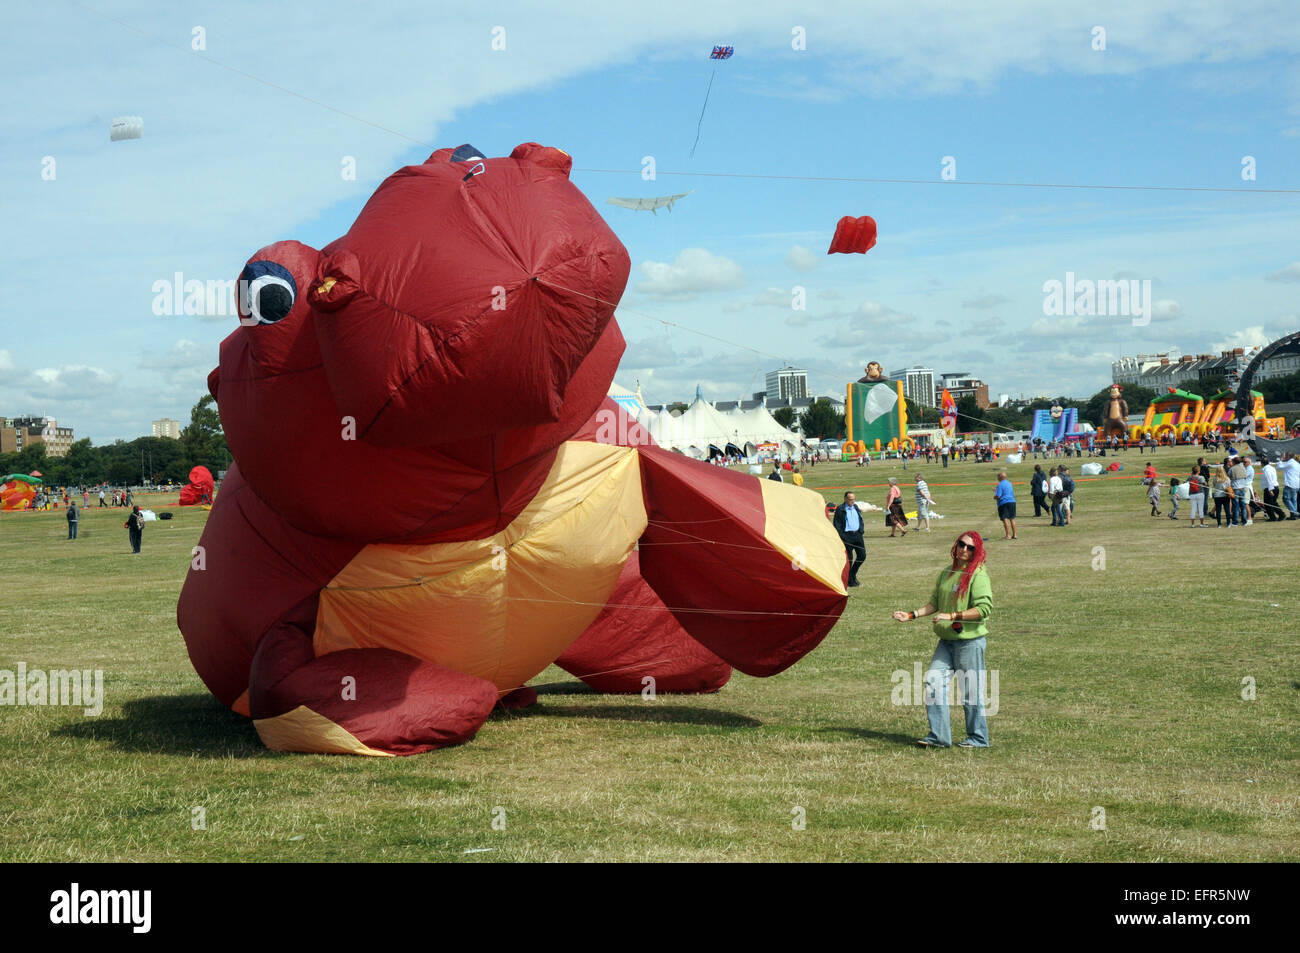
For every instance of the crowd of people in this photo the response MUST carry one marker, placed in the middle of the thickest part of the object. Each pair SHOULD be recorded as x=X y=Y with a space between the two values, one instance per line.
x=1230 y=486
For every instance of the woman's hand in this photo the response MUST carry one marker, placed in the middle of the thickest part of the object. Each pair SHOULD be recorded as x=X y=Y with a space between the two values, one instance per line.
x=901 y=616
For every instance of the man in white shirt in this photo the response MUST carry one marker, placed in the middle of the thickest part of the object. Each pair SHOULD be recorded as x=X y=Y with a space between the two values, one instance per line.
x=1268 y=483
x=1290 y=473
x=1055 y=490
x=1251 y=495
x=923 y=501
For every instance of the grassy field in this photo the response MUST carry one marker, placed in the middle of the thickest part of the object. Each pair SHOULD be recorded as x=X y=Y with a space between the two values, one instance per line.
x=1119 y=688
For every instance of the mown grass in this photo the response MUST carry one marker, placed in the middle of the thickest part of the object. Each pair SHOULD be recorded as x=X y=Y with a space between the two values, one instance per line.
x=1118 y=688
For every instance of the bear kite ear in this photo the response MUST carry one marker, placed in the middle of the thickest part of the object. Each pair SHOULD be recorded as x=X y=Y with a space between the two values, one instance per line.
x=462 y=153
x=544 y=156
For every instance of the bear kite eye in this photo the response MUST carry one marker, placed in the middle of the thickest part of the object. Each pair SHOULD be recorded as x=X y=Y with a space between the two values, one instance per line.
x=267 y=292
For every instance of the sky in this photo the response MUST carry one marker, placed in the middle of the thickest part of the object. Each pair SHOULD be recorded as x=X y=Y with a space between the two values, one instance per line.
x=254 y=113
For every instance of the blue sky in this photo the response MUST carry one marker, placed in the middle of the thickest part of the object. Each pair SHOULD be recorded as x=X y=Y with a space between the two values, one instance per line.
x=1014 y=92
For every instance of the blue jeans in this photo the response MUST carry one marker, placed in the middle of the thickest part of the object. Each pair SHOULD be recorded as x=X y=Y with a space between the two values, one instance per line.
x=72 y=529
x=967 y=657
x=1058 y=514
x=1239 y=507
x=1289 y=495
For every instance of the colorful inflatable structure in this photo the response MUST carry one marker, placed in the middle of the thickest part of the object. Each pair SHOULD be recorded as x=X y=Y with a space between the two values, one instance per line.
x=18 y=491
x=1182 y=412
x=458 y=344
x=875 y=414
x=1056 y=425
x=200 y=488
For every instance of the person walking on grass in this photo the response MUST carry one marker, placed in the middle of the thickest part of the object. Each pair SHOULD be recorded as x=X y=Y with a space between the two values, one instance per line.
x=1055 y=489
x=1038 y=490
x=1067 y=495
x=1195 y=498
x=1221 y=492
x=1268 y=482
x=1289 y=472
x=1174 y=484
x=135 y=528
x=848 y=523
x=961 y=604
x=73 y=517
x=1240 y=493
x=895 y=518
x=923 y=501
x=1004 y=495
x=1153 y=494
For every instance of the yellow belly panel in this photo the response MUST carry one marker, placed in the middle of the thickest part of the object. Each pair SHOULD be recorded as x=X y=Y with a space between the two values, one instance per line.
x=504 y=607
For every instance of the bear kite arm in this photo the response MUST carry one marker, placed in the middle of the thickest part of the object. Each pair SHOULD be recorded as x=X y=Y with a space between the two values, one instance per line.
x=750 y=568
x=359 y=701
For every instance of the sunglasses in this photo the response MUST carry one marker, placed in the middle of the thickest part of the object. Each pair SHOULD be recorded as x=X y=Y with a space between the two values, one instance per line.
x=961 y=545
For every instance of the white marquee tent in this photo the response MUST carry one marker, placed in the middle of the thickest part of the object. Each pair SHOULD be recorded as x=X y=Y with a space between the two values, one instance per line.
x=702 y=430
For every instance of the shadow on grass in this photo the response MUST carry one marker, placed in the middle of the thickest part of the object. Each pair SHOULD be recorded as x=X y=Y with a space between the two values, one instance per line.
x=645 y=712
x=892 y=737
x=174 y=724
x=564 y=688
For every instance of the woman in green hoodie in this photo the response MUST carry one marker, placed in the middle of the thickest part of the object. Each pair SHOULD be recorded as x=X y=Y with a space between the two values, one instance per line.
x=961 y=604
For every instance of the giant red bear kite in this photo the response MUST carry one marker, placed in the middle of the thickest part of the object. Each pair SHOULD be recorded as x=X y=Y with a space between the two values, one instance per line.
x=433 y=499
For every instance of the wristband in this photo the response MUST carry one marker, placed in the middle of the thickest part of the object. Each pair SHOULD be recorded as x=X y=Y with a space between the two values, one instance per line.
x=911 y=616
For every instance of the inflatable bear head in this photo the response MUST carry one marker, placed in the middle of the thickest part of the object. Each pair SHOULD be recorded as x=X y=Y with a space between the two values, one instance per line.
x=464 y=322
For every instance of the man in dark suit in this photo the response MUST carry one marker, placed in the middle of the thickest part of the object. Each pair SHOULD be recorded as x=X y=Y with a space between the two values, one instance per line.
x=848 y=523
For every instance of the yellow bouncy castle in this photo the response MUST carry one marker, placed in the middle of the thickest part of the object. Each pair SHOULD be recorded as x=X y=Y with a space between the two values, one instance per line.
x=1182 y=411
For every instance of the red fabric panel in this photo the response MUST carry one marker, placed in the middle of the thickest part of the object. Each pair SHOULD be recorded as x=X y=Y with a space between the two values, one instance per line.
x=401 y=705
x=258 y=572
x=634 y=637
x=704 y=553
x=426 y=316
x=853 y=235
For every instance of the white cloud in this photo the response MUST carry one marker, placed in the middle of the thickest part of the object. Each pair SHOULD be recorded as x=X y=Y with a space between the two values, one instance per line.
x=1290 y=273
x=70 y=382
x=802 y=259
x=775 y=298
x=1253 y=336
x=984 y=300
x=694 y=271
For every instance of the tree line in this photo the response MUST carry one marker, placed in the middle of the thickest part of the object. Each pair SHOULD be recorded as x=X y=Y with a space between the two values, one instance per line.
x=134 y=462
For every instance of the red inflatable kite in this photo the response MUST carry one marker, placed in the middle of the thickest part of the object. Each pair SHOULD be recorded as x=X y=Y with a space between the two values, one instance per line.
x=433 y=499
x=199 y=490
x=853 y=235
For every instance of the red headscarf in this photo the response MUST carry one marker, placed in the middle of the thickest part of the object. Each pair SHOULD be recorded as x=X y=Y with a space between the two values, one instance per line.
x=976 y=560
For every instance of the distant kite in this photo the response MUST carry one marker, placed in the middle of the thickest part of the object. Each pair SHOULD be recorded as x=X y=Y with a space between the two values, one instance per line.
x=642 y=205
x=719 y=53
x=853 y=235
x=126 y=127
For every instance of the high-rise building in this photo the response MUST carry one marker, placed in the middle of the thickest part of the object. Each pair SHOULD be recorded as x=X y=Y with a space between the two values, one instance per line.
x=918 y=385
x=19 y=432
x=961 y=384
x=167 y=428
x=787 y=384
